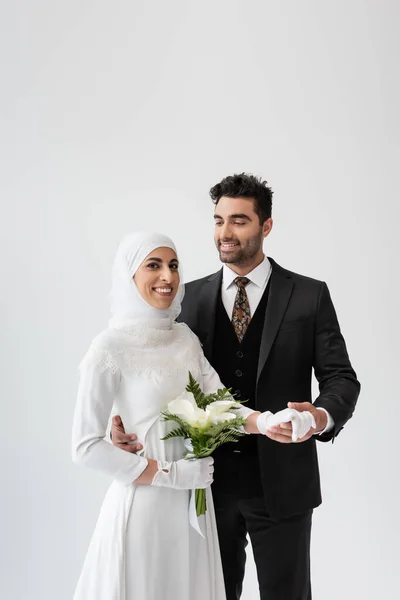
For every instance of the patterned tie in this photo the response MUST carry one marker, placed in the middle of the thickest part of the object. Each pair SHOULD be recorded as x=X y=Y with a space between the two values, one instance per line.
x=241 y=309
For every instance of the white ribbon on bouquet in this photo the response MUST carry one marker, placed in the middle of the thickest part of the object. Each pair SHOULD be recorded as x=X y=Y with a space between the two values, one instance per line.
x=193 y=518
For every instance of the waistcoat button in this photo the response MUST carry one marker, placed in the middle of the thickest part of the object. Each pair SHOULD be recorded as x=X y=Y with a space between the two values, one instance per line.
x=239 y=354
x=238 y=373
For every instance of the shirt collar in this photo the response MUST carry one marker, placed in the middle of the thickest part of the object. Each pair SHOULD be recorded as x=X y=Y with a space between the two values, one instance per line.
x=258 y=276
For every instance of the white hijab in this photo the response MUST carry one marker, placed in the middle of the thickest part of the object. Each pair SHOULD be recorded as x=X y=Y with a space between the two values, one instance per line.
x=127 y=304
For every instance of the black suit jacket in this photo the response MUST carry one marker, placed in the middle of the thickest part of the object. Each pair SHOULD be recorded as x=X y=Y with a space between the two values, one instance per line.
x=301 y=333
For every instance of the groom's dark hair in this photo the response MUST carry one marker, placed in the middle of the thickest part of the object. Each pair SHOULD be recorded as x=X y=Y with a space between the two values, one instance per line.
x=244 y=185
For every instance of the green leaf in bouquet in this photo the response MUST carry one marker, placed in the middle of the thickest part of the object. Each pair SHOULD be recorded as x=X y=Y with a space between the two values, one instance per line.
x=204 y=451
x=203 y=400
x=194 y=388
x=223 y=393
x=184 y=427
x=226 y=436
x=205 y=444
x=180 y=432
x=218 y=428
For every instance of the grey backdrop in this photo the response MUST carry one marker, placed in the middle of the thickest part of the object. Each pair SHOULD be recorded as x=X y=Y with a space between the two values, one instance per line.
x=118 y=116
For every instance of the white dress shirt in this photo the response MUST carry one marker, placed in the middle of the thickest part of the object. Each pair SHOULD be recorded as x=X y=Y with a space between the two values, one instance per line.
x=259 y=278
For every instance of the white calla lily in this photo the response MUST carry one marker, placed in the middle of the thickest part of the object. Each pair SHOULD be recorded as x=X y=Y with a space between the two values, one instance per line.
x=228 y=416
x=203 y=419
x=221 y=406
x=186 y=408
x=182 y=408
x=187 y=396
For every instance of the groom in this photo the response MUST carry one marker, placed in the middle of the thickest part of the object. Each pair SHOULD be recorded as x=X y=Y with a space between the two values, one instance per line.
x=265 y=329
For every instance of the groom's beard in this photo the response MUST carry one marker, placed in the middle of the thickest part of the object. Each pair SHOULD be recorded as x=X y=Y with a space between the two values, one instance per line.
x=243 y=254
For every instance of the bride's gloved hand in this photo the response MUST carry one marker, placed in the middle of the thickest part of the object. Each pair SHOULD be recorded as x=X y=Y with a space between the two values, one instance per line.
x=262 y=421
x=185 y=474
x=296 y=425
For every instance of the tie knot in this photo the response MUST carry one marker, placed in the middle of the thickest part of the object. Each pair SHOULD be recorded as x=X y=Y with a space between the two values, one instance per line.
x=241 y=282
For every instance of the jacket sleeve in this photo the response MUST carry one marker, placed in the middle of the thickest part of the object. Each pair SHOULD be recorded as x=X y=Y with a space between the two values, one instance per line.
x=96 y=394
x=338 y=385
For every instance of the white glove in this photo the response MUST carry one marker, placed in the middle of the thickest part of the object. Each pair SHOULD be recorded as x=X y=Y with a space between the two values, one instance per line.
x=301 y=421
x=263 y=421
x=185 y=474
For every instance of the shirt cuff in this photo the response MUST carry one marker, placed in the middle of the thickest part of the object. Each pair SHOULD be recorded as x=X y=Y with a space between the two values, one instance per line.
x=330 y=423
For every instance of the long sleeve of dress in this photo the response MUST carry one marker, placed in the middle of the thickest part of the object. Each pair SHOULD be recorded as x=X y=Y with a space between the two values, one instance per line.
x=96 y=394
x=211 y=382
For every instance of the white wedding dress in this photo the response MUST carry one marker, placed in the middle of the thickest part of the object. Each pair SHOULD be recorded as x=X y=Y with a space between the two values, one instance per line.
x=143 y=547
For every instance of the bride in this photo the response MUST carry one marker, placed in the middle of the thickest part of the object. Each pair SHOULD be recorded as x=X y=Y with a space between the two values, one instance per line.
x=143 y=545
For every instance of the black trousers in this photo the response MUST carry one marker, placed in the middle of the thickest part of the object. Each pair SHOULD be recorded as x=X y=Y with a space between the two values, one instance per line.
x=281 y=548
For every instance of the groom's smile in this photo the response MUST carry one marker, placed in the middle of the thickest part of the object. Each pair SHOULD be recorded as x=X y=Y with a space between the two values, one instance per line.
x=228 y=246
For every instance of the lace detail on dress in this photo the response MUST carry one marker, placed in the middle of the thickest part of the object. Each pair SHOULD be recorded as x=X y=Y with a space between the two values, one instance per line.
x=166 y=352
x=146 y=337
x=99 y=357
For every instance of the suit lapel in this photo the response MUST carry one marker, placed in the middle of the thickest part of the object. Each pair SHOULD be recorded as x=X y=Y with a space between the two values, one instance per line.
x=207 y=311
x=279 y=294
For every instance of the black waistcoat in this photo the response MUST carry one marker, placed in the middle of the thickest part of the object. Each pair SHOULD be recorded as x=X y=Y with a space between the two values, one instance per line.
x=236 y=464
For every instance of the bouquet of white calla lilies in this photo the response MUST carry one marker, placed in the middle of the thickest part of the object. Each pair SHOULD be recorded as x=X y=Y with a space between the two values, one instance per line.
x=207 y=420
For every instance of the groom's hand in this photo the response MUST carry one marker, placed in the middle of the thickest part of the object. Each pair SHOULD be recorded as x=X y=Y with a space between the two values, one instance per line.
x=123 y=440
x=283 y=433
x=320 y=417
